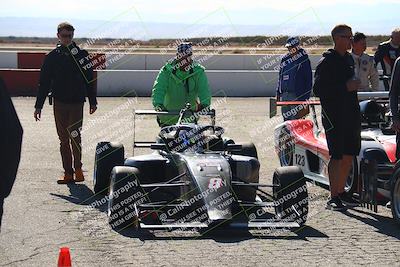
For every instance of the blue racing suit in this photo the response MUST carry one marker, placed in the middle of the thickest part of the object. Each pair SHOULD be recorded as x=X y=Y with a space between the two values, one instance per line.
x=295 y=79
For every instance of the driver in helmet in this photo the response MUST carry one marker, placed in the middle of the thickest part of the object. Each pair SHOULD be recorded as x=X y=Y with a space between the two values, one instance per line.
x=188 y=137
x=180 y=81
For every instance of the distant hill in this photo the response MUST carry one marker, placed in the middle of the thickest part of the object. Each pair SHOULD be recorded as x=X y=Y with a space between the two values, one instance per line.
x=42 y=31
x=46 y=27
x=246 y=41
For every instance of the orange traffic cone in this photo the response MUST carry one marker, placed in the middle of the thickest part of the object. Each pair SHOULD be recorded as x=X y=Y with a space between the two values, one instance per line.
x=64 y=258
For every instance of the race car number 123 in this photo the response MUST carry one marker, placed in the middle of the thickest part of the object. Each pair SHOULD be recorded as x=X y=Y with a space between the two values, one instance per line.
x=299 y=159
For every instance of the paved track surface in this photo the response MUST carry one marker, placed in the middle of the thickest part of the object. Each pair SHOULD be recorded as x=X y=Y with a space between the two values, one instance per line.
x=41 y=216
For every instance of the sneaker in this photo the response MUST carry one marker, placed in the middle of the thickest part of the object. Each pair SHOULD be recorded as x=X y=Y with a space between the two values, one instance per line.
x=335 y=204
x=348 y=200
x=79 y=177
x=66 y=179
x=389 y=205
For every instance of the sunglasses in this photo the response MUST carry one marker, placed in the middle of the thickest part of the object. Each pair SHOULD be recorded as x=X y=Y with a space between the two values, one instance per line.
x=68 y=35
x=347 y=37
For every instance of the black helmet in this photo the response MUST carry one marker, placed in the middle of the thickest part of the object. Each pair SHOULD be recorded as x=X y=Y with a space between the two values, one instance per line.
x=371 y=112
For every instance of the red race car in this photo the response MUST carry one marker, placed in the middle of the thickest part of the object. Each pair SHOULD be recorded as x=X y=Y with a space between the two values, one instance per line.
x=374 y=178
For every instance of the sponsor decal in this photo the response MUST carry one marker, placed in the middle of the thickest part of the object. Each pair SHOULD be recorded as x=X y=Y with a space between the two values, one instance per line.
x=215 y=183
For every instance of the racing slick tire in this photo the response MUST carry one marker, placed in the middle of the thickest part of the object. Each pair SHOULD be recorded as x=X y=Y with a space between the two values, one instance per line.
x=290 y=194
x=124 y=193
x=248 y=149
x=351 y=185
x=107 y=156
x=395 y=196
x=286 y=144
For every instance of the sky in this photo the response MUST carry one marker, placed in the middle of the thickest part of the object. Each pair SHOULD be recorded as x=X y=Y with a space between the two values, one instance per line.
x=368 y=16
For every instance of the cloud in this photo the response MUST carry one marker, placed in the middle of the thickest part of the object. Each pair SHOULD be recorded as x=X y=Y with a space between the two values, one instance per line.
x=181 y=7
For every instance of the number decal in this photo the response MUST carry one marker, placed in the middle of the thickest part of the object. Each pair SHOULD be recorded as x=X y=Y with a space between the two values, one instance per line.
x=300 y=160
x=215 y=183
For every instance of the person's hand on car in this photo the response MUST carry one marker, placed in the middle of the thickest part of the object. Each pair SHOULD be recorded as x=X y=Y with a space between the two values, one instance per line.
x=200 y=107
x=160 y=108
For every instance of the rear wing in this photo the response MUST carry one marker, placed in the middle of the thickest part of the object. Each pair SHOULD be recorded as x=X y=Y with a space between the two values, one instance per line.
x=273 y=104
x=373 y=95
x=143 y=112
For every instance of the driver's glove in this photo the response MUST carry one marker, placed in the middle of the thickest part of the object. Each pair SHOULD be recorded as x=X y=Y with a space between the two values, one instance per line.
x=201 y=107
x=160 y=108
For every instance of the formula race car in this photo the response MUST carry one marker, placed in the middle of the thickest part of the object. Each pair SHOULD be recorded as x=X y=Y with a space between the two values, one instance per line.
x=195 y=179
x=374 y=178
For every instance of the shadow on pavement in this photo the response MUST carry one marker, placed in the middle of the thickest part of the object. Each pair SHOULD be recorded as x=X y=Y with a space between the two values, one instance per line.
x=384 y=225
x=80 y=194
x=224 y=235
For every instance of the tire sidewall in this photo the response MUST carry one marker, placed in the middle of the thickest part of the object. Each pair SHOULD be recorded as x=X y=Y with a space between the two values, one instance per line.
x=395 y=183
x=104 y=163
x=296 y=189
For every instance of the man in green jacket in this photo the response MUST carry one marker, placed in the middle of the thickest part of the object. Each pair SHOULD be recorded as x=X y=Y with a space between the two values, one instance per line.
x=180 y=81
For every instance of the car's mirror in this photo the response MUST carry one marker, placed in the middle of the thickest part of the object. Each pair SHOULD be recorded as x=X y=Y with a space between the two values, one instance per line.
x=158 y=146
x=233 y=147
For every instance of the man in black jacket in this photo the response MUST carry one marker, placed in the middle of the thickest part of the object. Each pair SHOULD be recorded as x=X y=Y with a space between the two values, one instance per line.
x=336 y=86
x=387 y=53
x=68 y=75
x=10 y=143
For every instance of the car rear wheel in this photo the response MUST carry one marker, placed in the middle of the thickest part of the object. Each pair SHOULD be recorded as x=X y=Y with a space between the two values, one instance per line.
x=248 y=149
x=351 y=185
x=290 y=194
x=395 y=195
x=107 y=156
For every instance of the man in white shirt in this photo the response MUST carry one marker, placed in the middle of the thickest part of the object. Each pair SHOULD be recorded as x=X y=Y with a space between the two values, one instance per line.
x=364 y=64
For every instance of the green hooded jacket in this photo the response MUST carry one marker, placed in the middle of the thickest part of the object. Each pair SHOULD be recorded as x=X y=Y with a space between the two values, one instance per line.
x=173 y=88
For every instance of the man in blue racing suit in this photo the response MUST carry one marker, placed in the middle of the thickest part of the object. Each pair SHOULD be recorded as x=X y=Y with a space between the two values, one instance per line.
x=295 y=78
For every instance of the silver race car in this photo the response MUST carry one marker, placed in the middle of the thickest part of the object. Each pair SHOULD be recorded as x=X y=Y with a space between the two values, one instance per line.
x=196 y=179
